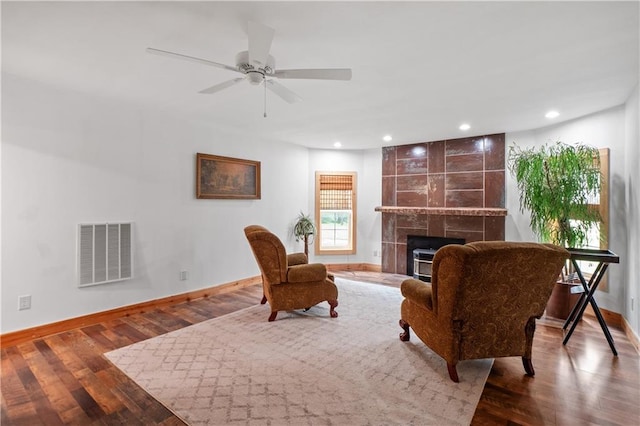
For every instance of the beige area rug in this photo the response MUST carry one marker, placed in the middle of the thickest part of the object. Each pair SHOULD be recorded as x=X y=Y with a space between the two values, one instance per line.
x=305 y=368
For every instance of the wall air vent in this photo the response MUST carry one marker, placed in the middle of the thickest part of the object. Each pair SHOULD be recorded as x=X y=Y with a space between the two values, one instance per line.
x=105 y=253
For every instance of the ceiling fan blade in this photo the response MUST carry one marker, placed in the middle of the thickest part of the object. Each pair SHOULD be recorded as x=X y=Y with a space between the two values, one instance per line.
x=190 y=58
x=283 y=92
x=316 y=74
x=260 y=38
x=221 y=86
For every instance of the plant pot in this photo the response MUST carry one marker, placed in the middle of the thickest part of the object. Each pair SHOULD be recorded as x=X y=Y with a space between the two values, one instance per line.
x=562 y=300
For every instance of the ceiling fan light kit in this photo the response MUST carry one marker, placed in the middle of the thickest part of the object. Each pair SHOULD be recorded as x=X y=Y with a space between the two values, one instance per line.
x=258 y=66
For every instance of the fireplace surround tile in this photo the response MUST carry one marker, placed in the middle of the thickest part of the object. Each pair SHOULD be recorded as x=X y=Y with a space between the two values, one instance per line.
x=464 y=163
x=494 y=189
x=389 y=161
x=412 y=183
x=389 y=191
x=464 y=223
x=464 y=198
x=494 y=148
x=436 y=157
x=473 y=145
x=466 y=172
x=411 y=198
x=472 y=180
x=435 y=191
x=411 y=166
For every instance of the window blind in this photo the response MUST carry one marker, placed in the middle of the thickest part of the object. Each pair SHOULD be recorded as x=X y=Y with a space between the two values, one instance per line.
x=336 y=192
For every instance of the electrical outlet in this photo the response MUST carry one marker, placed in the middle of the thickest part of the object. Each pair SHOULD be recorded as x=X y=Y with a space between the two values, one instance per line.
x=24 y=302
x=184 y=275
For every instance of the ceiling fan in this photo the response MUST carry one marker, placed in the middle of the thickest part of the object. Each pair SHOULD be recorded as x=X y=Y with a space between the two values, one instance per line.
x=258 y=66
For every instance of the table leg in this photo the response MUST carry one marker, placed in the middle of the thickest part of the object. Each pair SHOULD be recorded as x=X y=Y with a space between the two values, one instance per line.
x=596 y=310
x=581 y=300
x=581 y=305
x=603 y=325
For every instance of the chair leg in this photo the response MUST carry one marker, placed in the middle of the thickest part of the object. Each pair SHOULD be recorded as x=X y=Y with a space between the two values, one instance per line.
x=272 y=317
x=528 y=366
x=264 y=300
x=453 y=373
x=332 y=311
x=406 y=334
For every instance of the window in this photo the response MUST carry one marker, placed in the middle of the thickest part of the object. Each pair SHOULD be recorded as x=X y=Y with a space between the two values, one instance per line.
x=336 y=212
x=598 y=236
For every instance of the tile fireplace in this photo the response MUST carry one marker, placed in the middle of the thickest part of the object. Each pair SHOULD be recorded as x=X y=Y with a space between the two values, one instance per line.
x=449 y=189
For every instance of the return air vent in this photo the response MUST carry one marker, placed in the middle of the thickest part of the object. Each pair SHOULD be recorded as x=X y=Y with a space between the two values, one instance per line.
x=105 y=253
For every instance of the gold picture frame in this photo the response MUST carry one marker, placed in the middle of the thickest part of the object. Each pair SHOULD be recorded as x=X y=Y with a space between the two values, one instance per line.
x=227 y=178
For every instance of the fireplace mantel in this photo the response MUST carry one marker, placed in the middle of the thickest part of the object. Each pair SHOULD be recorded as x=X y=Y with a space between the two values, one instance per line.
x=443 y=211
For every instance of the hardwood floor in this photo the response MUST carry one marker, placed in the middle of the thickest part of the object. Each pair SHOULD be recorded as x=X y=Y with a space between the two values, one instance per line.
x=64 y=379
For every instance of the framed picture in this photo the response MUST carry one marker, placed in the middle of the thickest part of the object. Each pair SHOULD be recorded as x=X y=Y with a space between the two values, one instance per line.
x=226 y=177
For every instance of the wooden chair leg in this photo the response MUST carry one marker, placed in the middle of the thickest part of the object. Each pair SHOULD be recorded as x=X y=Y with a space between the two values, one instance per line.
x=332 y=311
x=273 y=315
x=453 y=373
x=528 y=366
x=406 y=334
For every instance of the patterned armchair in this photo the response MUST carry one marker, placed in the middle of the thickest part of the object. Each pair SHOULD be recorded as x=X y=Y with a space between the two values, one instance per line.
x=483 y=300
x=289 y=281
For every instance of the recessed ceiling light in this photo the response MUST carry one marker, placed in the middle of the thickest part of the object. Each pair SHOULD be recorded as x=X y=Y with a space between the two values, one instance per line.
x=464 y=127
x=552 y=114
x=337 y=144
x=387 y=138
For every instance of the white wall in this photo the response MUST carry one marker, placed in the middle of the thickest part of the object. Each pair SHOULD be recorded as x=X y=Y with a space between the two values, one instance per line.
x=370 y=221
x=605 y=129
x=70 y=159
x=368 y=166
x=632 y=210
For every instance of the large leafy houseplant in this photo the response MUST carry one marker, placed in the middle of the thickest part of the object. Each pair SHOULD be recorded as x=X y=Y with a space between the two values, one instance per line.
x=303 y=230
x=556 y=183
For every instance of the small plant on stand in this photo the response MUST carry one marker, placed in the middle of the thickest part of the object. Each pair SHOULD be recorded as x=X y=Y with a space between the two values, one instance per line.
x=303 y=230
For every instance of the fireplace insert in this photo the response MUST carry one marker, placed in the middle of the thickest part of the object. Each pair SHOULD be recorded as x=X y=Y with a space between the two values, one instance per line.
x=420 y=252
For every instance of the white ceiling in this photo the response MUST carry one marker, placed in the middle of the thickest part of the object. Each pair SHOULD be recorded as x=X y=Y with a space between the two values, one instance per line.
x=420 y=69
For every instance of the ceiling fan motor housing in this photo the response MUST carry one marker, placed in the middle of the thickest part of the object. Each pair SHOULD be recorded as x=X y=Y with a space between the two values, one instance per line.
x=255 y=73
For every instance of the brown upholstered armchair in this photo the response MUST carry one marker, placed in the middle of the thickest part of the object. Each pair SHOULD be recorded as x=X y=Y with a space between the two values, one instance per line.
x=289 y=281
x=483 y=300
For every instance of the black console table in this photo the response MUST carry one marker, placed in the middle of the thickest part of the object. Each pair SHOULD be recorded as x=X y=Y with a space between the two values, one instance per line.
x=604 y=258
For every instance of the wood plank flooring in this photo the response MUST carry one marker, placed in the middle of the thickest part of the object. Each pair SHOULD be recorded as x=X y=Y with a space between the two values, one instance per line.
x=64 y=379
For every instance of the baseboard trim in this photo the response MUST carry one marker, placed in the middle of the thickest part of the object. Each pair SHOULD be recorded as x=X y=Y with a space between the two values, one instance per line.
x=367 y=267
x=611 y=318
x=631 y=335
x=28 y=334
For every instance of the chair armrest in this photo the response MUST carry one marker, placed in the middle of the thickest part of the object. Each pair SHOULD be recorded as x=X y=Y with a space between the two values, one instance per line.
x=307 y=272
x=297 y=259
x=419 y=292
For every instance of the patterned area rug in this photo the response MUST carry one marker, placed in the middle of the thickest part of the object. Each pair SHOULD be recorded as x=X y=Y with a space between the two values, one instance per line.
x=305 y=368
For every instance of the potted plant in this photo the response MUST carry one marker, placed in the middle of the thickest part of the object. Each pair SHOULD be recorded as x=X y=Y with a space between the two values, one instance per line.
x=304 y=229
x=556 y=183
